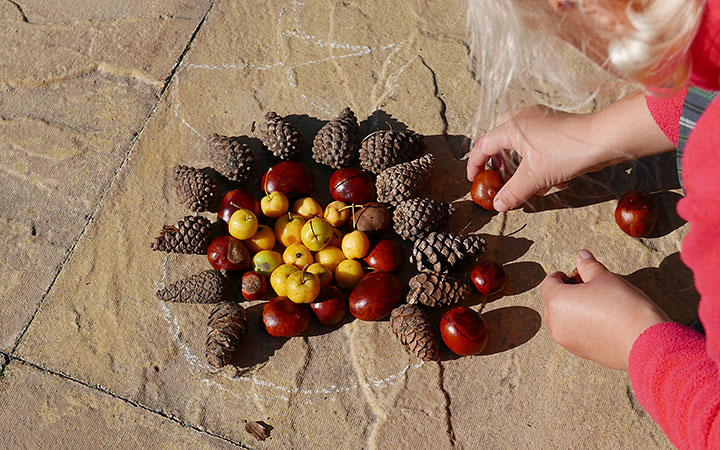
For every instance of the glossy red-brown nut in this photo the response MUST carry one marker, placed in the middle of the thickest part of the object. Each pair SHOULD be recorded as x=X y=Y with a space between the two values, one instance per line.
x=253 y=285
x=464 y=331
x=373 y=219
x=636 y=213
x=290 y=178
x=226 y=252
x=330 y=305
x=485 y=186
x=488 y=277
x=285 y=318
x=236 y=199
x=375 y=296
x=352 y=186
x=387 y=255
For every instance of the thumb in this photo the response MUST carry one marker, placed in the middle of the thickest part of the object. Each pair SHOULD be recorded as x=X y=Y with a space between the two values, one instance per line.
x=518 y=189
x=588 y=267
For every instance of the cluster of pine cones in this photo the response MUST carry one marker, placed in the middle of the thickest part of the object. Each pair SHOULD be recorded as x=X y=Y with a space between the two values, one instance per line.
x=402 y=167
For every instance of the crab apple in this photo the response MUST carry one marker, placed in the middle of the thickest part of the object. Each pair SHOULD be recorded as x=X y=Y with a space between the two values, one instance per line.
x=236 y=199
x=348 y=273
x=307 y=208
x=330 y=257
x=355 y=244
x=266 y=261
x=243 y=224
x=287 y=229
x=337 y=213
x=279 y=276
x=263 y=239
x=316 y=233
x=297 y=255
x=274 y=204
x=323 y=273
x=302 y=286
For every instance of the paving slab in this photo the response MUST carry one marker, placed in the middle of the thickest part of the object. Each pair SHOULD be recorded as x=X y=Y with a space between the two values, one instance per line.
x=77 y=83
x=41 y=409
x=354 y=385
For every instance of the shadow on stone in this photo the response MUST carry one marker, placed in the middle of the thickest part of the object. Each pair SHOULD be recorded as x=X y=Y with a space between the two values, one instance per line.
x=380 y=120
x=258 y=346
x=504 y=249
x=510 y=327
x=670 y=286
x=668 y=220
x=522 y=277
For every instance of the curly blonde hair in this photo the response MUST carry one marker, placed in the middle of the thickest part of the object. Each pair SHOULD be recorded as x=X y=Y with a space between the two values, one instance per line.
x=522 y=49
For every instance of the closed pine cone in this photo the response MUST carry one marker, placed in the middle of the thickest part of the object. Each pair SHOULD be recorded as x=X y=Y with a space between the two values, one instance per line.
x=227 y=326
x=190 y=235
x=281 y=138
x=404 y=181
x=336 y=143
x=414 y=329
x=208 y=286
x=416 y=217
x=384 y=149
x=232 y=158
x=195 y=188
x=439 y=252
x=436 y=290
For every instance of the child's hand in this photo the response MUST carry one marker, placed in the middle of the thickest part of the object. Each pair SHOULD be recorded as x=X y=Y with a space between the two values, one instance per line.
x=555 y=148
x=601 y=318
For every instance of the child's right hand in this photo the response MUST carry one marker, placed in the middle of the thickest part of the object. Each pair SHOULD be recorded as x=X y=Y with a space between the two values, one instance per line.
x=555 y=148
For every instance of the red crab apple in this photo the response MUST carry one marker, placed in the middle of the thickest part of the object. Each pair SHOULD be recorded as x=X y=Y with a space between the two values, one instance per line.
x=636 y=213
x=375 y=295
x=285 y=318
x=226 y=252
x=352 y=186
x=253 y=285
x=290 y=178
x=387 y=255
x=330 y=306
x=236 y=199
x=488 y=277
x=485 y=185
x=464 y=331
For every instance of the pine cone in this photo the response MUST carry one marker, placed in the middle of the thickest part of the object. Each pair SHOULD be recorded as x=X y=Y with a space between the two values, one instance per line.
x=414 y=329
x=190 y=235
x=281 y=138
x=227 y=326
x=404 y=181
x=438 y=252
x=209 y=286
x=233 y=159
x=336 y=143
x=384 y=149
x=436 y=290
x=414 y=218
x=195 y=188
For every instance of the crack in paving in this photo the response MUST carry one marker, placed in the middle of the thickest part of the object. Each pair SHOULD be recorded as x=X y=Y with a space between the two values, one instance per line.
x=129 y=401
x=118 y=170
x=436 y=92
x=448 y=413
x=20 y=10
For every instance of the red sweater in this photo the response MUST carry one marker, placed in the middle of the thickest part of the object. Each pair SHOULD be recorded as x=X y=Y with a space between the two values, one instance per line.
x=673 y=369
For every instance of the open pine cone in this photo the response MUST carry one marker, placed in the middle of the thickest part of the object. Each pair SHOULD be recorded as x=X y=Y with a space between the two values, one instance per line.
x=404 y=181
x=190 y=235
x=232 y=158
x=227 y=326
x=281 y=138
x=208 y=286
x=384 y=149
x=439 y=252
x=413 y=327
x=337 y=142
x=195 y=188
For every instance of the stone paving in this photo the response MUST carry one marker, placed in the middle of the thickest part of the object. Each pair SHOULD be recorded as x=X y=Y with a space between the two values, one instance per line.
x=99 y=100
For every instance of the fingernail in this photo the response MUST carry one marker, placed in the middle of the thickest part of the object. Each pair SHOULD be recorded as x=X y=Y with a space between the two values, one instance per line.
x=499 y=205
x=584 y=254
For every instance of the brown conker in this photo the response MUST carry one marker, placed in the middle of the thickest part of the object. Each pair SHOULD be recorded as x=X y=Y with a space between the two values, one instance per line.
x=636 y=213
x=485 y=186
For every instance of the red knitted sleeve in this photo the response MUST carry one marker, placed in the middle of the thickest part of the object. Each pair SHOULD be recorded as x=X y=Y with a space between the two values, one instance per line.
x=674 y=370
x=666 y=112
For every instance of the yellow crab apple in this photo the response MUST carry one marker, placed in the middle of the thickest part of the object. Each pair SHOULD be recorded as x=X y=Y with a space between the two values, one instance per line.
x=298 y=255
x=287 y=229
x=263 y=239
x=348 y=273
x=316 y=233
x=266 y=261
x=355 y=244
x=279 y=277
x=274 y=204
x=302 y=286
x=243 y=224
x=323 y=273
x=337 y=213
x=307 y=207
x=329 y=257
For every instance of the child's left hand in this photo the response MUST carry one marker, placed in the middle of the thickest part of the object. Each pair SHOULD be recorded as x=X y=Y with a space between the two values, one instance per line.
x=601 y=318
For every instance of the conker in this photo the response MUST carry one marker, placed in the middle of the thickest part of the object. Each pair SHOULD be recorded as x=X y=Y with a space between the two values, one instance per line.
x=253 y=285
x=464 y=331
x=636 y=213
x=373 y=219
x=375 y=296
x=226 y=252
x=285 y=318
x=289 y=177
x=352 y=186
x=485 y=186
x=330 y=305
x=387 y=255
x=488 y=277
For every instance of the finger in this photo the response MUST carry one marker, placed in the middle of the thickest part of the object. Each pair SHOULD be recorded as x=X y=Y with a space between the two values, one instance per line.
x=562 y=186
x=588 y=267
x=517 y=189
x=477 y=160
x=551 y=285
x=494 y=142
x=542 y=191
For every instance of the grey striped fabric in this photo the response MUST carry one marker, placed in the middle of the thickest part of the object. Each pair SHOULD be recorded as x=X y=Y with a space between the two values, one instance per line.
x=696 y=101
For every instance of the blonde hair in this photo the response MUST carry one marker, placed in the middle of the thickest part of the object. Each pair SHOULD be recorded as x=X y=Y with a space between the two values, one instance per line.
x=518 y=46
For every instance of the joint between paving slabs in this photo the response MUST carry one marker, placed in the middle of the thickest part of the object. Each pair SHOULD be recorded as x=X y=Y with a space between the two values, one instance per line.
x=119 y=168
x=131 y=402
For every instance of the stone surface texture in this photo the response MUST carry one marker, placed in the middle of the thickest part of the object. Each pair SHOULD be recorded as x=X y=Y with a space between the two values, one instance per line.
x=70 y=116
